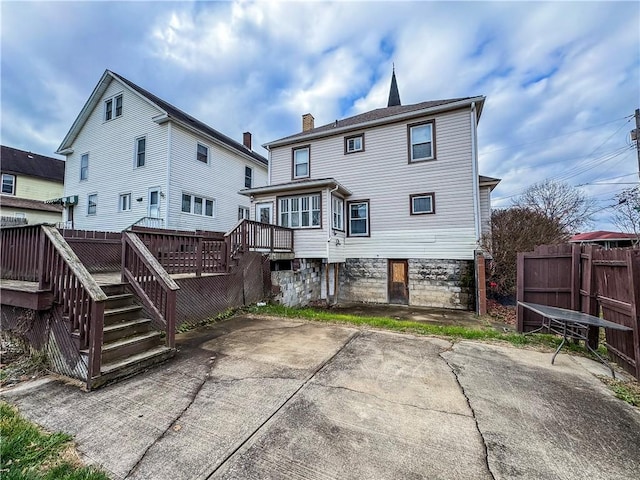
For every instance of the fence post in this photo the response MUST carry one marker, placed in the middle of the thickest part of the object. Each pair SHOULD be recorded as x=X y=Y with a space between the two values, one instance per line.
x=95 y=342
x=123 y=262
x=593 y=333
x=41 y=259
x=633 y=269
x=170 y=317
x=520 y=291
x=199 y=257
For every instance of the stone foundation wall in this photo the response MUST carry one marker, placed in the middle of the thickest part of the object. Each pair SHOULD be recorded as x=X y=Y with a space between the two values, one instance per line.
x=363 y=280
x=441 y=283
x=432 y=283
x=299 y=287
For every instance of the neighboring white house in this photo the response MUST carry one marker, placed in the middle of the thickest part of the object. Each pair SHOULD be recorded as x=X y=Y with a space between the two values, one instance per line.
x=387 y=206
x=28 y=179
x=134 y=158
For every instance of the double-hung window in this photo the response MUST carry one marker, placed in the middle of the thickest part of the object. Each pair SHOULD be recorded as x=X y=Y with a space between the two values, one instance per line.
x=421 y=142
x=248 y=177
x=113 y=107
x=300 y=212
x=141 y=151
x=301 y=162
x=124 y=204
x=354 y=144
x=243 y=213
x=92 y=204
x=84 y=166
x=197 y=205
x=202 y=153
x=337 y=213
x=359 y=218
x=422 y=203
x=8 y=184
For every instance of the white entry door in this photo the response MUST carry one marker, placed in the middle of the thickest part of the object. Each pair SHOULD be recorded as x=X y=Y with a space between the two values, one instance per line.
x=154 y=203
x=263 y=212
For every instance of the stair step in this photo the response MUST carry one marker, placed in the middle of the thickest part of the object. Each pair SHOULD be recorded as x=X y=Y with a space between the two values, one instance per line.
x=119 y=300
x=122 y=330
x=128 y=346
x=119 y=314
x=114 y=289
x=128 y=366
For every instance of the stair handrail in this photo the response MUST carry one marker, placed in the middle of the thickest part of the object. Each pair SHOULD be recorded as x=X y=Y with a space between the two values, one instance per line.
x=151 y=283
x=76 y=290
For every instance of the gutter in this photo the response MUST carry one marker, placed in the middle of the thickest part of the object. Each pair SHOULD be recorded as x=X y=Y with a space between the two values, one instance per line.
x=474 y=168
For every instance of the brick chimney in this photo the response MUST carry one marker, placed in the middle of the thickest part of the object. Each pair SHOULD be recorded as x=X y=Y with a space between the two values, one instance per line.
x=246 y=139
x=307 y=122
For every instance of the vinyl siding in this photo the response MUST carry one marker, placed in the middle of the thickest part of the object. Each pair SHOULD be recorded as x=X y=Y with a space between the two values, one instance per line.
x=111 y=148
x=382 y=175
x=112 y=171
x=221 y=179
x=32 y=216
x=37 y=188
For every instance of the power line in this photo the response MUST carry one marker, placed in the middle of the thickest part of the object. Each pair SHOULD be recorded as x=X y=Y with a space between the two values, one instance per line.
x=556 y=136
x=610 y=178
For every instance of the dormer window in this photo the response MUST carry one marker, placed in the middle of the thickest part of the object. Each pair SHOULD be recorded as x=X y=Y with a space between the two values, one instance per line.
x=354 y=144
x=113 y=107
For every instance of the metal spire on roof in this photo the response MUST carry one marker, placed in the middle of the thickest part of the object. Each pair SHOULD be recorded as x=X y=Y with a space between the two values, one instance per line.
x=394 y=95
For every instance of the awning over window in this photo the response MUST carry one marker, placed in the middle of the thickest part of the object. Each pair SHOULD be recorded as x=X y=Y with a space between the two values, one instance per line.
x=70 y=200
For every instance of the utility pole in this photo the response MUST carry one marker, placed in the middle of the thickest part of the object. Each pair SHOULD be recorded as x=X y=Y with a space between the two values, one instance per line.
x=635 y=135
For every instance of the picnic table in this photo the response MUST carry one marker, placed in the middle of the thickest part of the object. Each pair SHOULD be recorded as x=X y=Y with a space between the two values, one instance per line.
x=570 y=324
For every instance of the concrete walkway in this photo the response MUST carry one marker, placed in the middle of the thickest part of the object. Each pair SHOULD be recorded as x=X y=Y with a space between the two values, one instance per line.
x=269 y=398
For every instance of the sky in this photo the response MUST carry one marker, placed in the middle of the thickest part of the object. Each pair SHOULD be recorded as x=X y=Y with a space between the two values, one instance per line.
x=562 y=79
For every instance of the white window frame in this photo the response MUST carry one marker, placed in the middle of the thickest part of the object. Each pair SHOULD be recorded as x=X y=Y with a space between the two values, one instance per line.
x=248 y=178
x=13 y=183
x=84 y=169
x=260 y=207
x=138 y=153
x=366 y=219
x=300 y=211
x=243 y=212
x=94 y=203
x=432 y=203
x=194 y=201
x=111 y=107
x=337 y=213
x=124 y=202
x=412 y=128
x=295 y=163
x=350 y=143
x=206 y=147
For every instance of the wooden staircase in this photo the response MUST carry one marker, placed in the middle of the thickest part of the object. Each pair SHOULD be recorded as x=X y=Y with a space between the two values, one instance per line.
x=130 y=343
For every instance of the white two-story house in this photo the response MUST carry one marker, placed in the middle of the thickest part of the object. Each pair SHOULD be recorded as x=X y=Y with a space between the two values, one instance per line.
x=387 y=206
x=132 y=158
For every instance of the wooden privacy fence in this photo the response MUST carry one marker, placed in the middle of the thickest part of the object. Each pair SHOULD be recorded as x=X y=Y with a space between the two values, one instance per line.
x=590 y=280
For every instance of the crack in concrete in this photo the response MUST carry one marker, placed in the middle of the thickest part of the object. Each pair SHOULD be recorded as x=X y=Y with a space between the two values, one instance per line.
x=192 y=399
x=352 y=337
x=425 y=409
x=473 y=415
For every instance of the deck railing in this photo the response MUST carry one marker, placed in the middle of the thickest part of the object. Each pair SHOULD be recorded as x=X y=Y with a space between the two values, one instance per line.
x=20 y=253
x=251 y=235
x=151 y=283
x=73 y=287
x=184 y=252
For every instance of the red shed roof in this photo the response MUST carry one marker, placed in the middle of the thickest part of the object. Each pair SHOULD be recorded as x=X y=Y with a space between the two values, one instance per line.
x=601 y=235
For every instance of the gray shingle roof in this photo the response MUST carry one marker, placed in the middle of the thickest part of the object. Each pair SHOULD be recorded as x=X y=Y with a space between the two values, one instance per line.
x=29 y=204
x=188 y=119
x=19 y=162
x=373 y=115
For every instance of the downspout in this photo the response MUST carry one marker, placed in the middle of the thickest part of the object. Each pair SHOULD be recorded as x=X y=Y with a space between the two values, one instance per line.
x=329 y=227
x=474 y=168
x=167 y=202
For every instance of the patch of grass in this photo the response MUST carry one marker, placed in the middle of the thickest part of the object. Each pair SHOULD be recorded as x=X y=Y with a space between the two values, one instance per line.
x=29 y=453
x=626 y=391
x=451 y=331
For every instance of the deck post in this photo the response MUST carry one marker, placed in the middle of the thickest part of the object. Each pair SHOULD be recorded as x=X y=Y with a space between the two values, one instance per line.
x=199 y=257
x=41 y=260
x=95 y=342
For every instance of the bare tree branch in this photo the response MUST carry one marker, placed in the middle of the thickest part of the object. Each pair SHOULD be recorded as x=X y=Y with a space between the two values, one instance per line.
x=561 y=203
x=626 y=214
